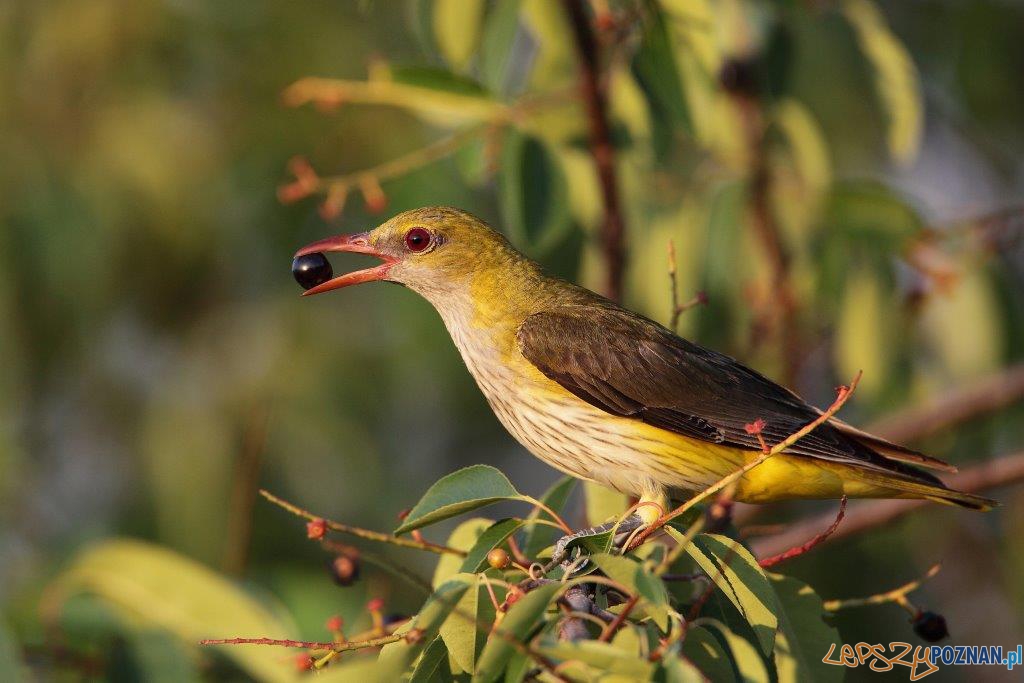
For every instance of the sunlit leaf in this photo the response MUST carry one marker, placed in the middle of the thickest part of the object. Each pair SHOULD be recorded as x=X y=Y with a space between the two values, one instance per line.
x=457 y=27
x=639 y=581
x=603 y=503
x=736 y=573
x=464 y=537
x=460 y=631
x=675 y=669
x=803 y=635
x=601 y=658
x=467 y=489
x=963 y=324
x=747 y=662
x=862 y=344
x=708 y=654
x=171 y=592
x=519 y=622
x=896 y=77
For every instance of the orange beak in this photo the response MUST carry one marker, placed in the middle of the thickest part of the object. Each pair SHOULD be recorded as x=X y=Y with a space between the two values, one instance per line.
x=357 y=243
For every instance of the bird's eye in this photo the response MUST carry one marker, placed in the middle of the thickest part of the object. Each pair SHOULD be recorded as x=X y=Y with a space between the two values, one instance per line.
x=417 y=239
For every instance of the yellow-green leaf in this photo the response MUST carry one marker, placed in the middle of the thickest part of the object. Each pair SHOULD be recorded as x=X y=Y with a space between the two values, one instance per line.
x=896 y=77
x=457 y=26
x=862 y=341
x=165 y=590
x=464 y=537
x=462 y=491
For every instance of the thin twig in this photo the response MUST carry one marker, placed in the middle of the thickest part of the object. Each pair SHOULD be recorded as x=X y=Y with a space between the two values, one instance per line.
x=843 y=394
x=895 y=595
x=866 y=516
x=613 y=230
x=679 y=308
x=361 y=533
x=307 y=644
x=799 y=550
x=620 y=619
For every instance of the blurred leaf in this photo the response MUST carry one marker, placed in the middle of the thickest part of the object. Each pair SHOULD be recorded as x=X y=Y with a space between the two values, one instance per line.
x=603 y=503
x=537 y=537
x=803 y=634
x=457 y=27
x=460 y=631
x=493 y=537
x=799 y=185
x=467 y=489
x=518 y=624
x=439 y=606
x=895 y=77
x=433 y=665
x=11 y=668
x=168 y=591
x=963 y=324
x=437 y=79
x=639 y=581
x=534 y=198
x=463 y=537
x=602 y=658
x=862 y=330
x=736 y=573
x=655 y=68
x=500 y=29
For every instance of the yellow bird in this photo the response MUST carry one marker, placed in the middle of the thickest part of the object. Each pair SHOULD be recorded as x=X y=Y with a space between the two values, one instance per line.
x=607 y=395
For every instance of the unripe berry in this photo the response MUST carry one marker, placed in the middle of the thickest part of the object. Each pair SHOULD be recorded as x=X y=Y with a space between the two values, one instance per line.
x=497 y=558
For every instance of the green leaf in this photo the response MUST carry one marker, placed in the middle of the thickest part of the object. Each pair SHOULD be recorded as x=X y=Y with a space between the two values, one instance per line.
x=433 y=665
x=467 y=489
x=747 y=662
x=675 y=669
x=736 y=573
x=437 y=79
x=708 y=654
x=460 y=631
x=539 y=536
x=534 y=196
x=519 y=622
x=639 y=581
x=165 y=590
x=500 y=29
x=655 y=69
x=463 y=537
x=896 y=77
x=439 y=605
x=803 y=634
x=493 y=537
x=457 y=25
x=601 y=658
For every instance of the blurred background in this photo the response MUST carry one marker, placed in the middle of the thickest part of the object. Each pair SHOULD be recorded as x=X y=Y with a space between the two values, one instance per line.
x=840 y=178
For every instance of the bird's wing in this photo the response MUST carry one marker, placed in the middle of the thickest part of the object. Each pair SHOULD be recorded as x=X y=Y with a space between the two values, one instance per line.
x=630 y=366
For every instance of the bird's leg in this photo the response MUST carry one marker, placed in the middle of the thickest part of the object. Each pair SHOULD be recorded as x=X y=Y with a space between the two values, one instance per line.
x=646 y=512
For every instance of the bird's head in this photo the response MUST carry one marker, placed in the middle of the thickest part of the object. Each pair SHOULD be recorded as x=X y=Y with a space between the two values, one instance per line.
x=434 y=251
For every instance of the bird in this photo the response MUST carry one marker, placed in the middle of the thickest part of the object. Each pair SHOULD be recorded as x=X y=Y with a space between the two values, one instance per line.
x=607 y=395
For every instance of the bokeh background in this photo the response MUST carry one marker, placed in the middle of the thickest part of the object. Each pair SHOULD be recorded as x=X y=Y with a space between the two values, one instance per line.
x=157 y=364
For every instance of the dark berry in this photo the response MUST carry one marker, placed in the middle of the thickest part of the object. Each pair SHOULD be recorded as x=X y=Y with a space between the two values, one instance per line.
x=930 y=626
x=740 y=76
x=311 y=270
x=344 y=570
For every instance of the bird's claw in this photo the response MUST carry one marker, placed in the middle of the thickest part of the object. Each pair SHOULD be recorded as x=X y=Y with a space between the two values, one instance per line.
x=562 y=551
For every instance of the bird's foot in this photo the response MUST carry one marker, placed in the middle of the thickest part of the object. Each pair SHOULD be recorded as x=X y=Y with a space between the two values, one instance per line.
x=622 y=530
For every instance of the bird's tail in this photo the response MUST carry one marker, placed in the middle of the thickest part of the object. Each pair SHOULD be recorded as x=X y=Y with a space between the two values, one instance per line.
x=936 y=492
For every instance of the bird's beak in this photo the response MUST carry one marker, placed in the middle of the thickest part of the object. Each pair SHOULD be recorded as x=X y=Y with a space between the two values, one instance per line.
x=357 y=243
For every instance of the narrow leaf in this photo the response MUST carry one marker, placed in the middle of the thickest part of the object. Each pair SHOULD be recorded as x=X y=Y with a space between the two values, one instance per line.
x=498 y=532
x=457 y=25
x=518 y=624
x=803 y=634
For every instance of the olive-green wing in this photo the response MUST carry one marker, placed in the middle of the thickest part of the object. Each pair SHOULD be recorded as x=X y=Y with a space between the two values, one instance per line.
x=630 y=366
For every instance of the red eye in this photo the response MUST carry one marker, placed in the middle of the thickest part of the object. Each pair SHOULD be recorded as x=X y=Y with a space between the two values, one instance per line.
x=417 y=239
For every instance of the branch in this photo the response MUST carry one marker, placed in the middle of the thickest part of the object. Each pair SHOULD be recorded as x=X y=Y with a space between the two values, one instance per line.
x=988 y=395
x=361 y=533
x=307 y=644
x=799 y=550
x=871 y=515
x=679 y=308
x=897 y=595
x=843 y=394
x=613 y=231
